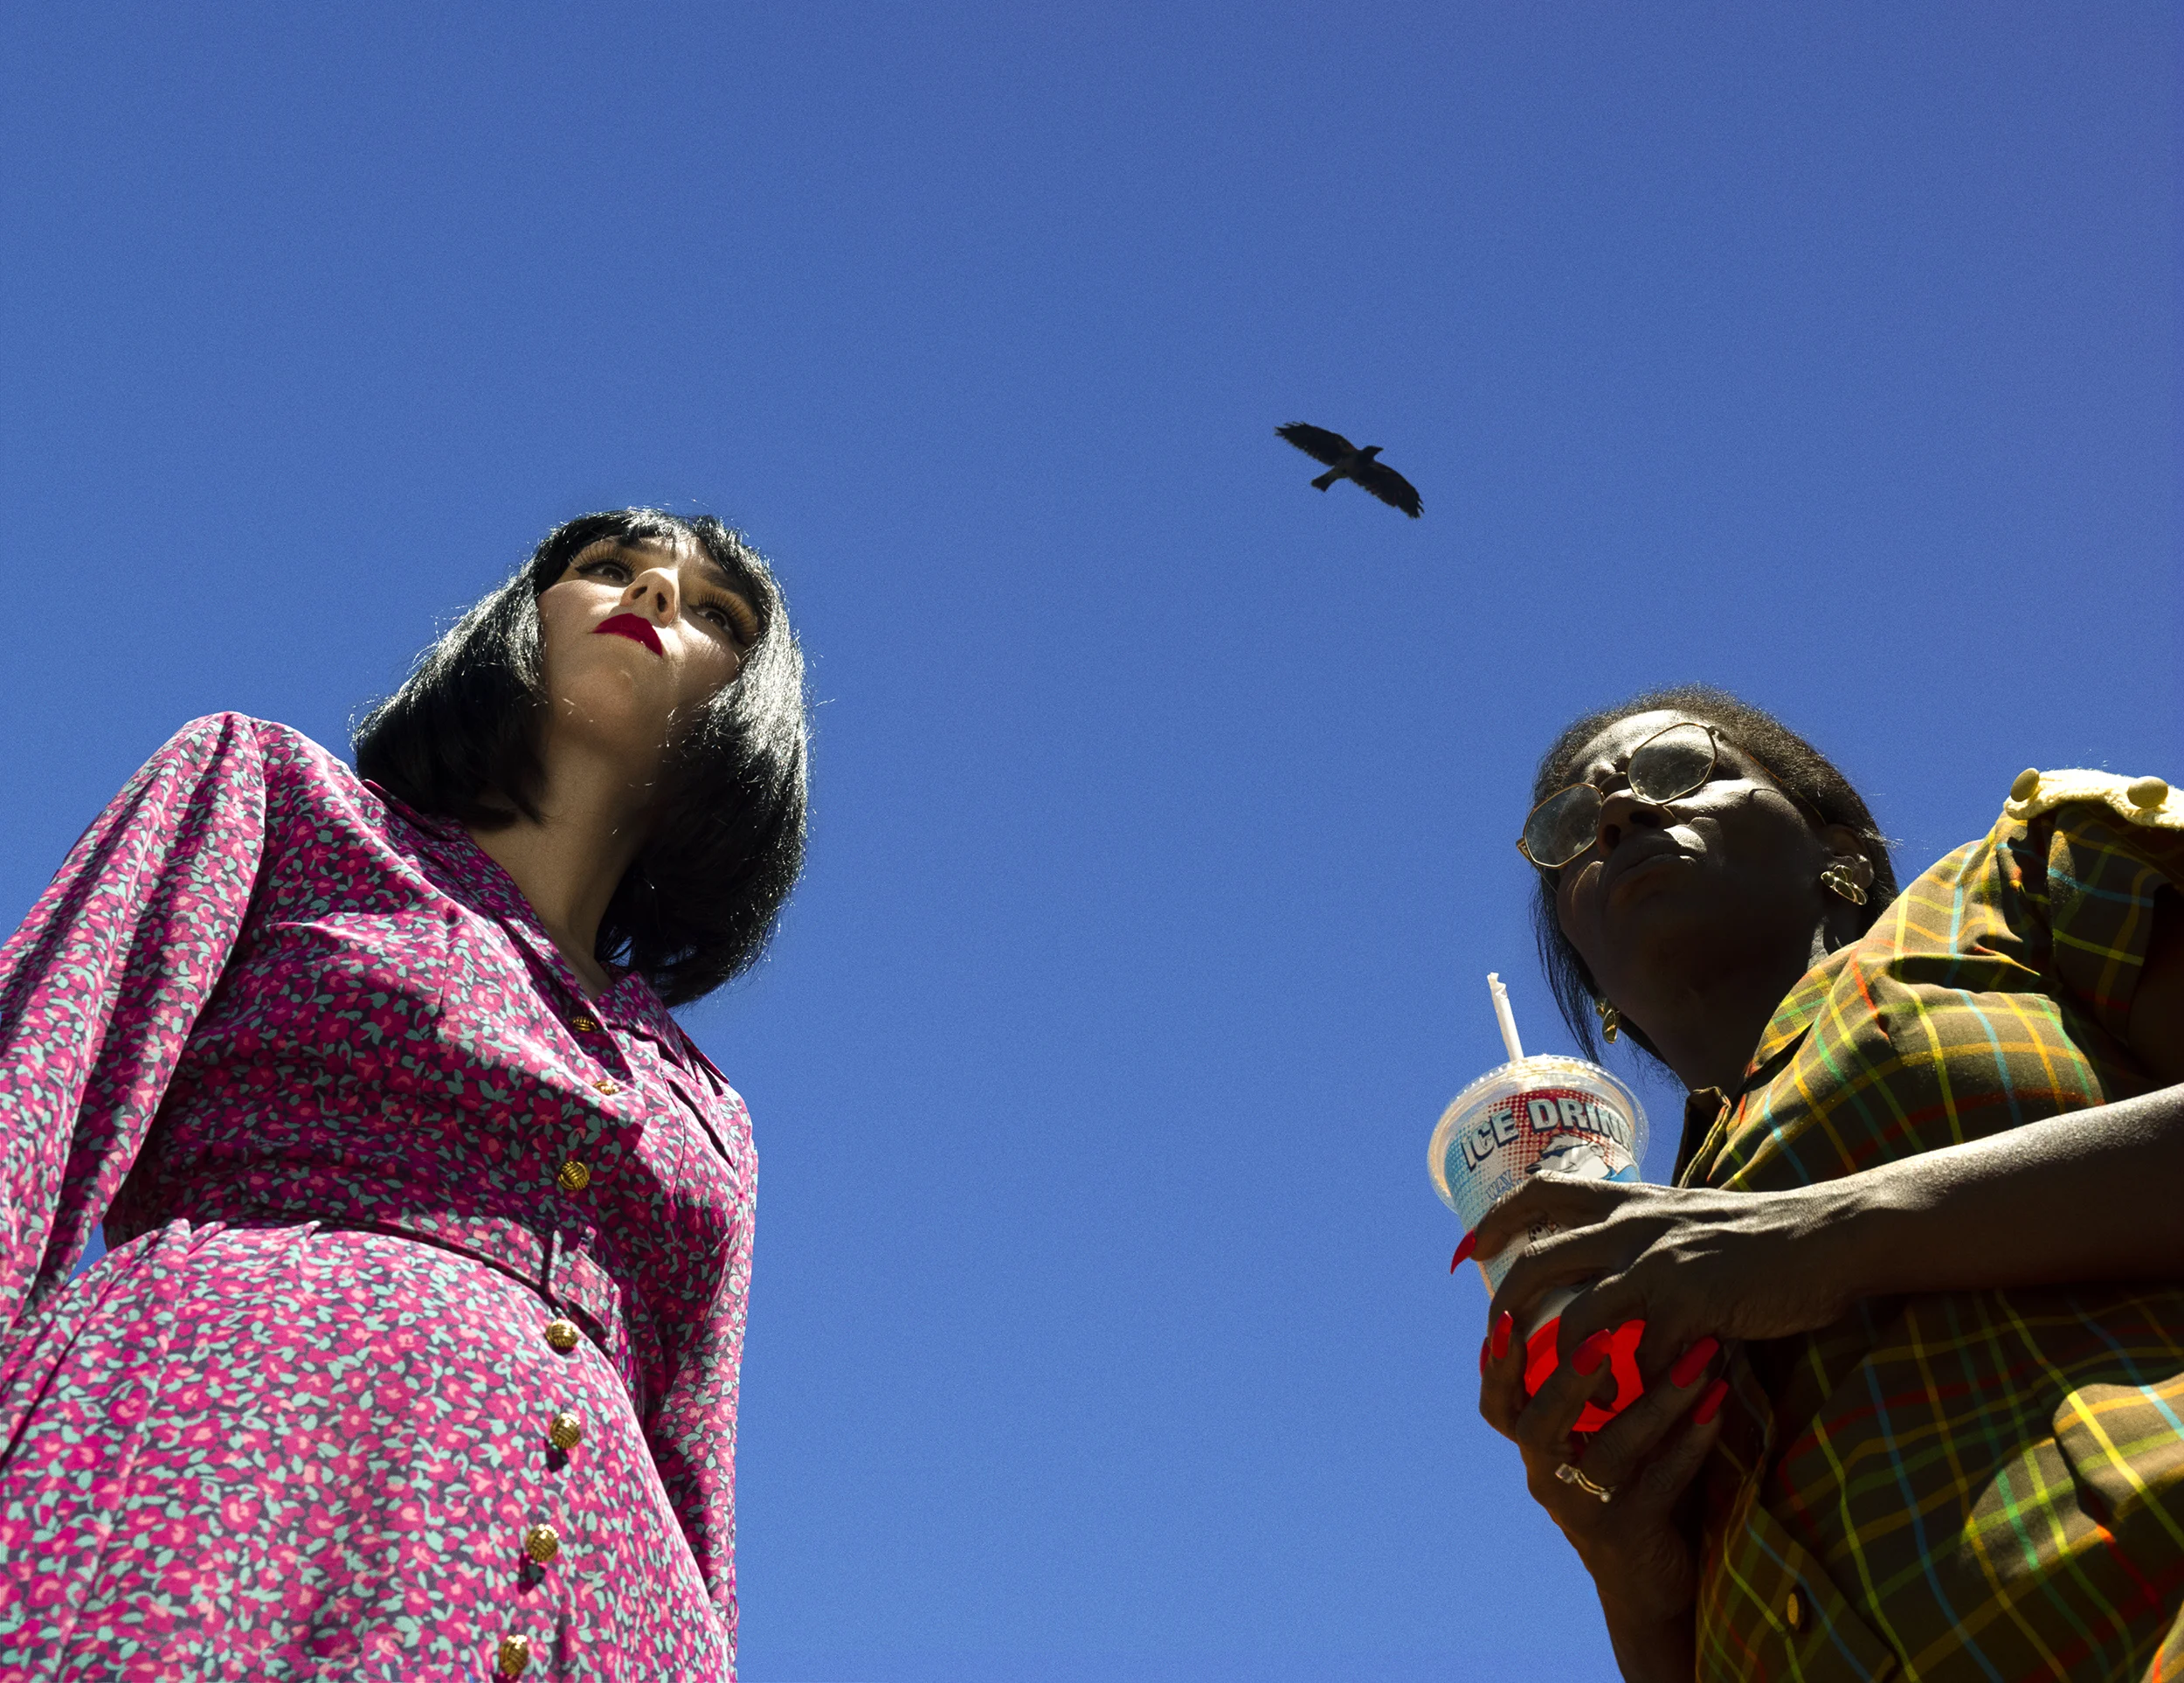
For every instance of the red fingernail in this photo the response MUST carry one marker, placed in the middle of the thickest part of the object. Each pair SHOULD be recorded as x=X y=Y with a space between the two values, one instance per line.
x=1692 y=1362
x=1710 y=1404
x=1502 y=1328
x=1463 y=1252
x=1592 y=1352
x=1482 y=1349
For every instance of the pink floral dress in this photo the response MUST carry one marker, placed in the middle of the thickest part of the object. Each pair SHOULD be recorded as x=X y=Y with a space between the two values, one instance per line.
x=416 y=1353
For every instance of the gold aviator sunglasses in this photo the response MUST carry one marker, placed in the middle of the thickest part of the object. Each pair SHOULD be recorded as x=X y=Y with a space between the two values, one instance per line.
x=1666 y=764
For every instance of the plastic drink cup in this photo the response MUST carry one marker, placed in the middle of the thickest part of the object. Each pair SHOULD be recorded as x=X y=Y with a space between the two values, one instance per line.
x=1560 y=1114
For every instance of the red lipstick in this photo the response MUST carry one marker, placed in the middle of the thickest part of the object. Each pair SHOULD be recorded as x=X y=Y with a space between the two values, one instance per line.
x=637 y=629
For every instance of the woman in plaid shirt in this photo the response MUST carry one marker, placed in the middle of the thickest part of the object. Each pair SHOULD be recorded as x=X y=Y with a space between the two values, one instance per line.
x=1914 y=1307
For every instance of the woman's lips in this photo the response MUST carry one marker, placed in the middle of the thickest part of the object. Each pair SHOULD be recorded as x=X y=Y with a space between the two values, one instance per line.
x=637 y=629
x=1636 y=856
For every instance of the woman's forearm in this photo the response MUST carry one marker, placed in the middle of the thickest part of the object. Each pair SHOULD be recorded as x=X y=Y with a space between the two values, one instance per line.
x=2092 y=1196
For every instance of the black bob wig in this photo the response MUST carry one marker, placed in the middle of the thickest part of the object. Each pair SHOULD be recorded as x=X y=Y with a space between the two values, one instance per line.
x=459 y=739
x=1808 y=776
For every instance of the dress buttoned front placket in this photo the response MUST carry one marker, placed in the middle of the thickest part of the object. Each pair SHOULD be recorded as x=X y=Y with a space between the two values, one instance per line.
x=544 y=1542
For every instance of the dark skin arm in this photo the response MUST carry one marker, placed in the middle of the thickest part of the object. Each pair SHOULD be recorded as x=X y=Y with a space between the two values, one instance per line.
x=2086 y=1196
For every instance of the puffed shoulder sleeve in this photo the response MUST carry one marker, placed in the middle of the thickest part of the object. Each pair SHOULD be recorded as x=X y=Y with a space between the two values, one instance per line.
x=99 y=986
x=2100 y=847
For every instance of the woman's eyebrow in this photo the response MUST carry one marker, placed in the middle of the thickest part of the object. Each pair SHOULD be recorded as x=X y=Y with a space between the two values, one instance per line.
x=620 y=550
x=721 y=575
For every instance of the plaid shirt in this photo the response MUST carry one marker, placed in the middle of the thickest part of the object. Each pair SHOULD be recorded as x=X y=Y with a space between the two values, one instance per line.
x=1968 y=1484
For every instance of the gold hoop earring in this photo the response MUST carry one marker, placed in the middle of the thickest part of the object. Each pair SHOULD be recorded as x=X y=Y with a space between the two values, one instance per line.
x=1611 y=1019
x=1837 y=879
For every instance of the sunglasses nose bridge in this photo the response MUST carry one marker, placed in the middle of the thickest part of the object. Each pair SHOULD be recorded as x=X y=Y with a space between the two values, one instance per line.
x=1664 y=768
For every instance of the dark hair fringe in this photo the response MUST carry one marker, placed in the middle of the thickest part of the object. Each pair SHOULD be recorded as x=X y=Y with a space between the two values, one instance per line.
x=699 y=903
x=1794 y=763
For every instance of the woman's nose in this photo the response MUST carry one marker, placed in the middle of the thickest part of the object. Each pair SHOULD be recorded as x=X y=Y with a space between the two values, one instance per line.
x=655 y=593
x=1621 y=814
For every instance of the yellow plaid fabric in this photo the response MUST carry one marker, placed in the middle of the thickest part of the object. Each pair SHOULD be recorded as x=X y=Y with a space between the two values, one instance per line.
x=1966 y=1485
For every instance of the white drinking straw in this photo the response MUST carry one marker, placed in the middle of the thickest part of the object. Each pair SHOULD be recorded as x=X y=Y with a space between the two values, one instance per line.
x=1502 y=1015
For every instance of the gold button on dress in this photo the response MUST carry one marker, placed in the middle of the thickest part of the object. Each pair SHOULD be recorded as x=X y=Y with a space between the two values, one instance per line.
x=562 y=1333
x=603 y=1085
x=564 y=1432
x=575 y=1175
x=515 y=1656
x=585 y=1025
x=541 y=1543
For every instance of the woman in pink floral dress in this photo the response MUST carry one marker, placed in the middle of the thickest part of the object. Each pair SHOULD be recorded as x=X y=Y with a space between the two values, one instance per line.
x=415 y=1353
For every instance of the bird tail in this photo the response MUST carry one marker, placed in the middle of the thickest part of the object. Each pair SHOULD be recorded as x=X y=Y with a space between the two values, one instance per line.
x=1325 y=480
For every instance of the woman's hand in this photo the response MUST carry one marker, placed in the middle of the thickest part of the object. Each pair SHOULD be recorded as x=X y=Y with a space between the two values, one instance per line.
x=1691 y=1264
x=1641 y=1561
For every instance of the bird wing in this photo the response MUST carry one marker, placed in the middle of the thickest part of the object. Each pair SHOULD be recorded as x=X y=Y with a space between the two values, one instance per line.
x=1389 y=486
x=1317 y=442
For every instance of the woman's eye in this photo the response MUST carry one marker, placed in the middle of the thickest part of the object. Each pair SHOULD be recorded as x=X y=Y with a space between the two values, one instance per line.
x=599 y=569
x=726 y=620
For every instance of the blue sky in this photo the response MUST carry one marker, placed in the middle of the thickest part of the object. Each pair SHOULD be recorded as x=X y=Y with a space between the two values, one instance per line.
x=1102 y=1324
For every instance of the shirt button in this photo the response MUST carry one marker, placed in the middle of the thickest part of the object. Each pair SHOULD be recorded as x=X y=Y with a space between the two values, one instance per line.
x=562 y=1333
x=585 y=1025
x=541 y=1543
x=564 y=1432
x=575 y=1175
x=1793 y=1610
x=2027 y=785
x=2148 y=794
x=603 y=1085
x=515 y=1658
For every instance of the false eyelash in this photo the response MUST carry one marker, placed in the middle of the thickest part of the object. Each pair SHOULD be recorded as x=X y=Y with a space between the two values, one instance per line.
x=736 y=625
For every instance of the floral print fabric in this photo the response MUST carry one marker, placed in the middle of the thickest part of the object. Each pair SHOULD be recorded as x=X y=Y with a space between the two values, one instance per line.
x=364 y=1139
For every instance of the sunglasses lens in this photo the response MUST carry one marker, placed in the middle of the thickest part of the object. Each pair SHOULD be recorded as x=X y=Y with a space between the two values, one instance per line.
x=1672 y=763
x=1561 y=828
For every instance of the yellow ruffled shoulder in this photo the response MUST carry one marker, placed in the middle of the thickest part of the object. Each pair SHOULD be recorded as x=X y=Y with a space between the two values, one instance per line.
x=2146 y=801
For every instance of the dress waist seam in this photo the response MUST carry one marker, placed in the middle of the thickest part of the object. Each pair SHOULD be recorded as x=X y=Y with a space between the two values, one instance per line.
x=565 y=1276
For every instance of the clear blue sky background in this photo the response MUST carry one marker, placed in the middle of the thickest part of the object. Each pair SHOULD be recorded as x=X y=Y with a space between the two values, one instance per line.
x=1103 y=1325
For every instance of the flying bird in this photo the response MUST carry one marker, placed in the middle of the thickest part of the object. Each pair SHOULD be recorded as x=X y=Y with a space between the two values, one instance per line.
x=1345 y=461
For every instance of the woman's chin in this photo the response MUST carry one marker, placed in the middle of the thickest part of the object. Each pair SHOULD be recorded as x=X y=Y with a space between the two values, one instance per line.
x=611 y=718
x=1653 y=909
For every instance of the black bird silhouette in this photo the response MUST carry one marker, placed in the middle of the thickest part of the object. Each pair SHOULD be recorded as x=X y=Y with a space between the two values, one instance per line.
x=1345 y=461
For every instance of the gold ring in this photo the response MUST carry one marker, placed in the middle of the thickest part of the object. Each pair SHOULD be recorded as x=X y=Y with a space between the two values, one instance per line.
x=1570 y=1475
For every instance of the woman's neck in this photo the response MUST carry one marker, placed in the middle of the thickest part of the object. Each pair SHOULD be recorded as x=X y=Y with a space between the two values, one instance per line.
x=569 y=860
x=1707 y=1024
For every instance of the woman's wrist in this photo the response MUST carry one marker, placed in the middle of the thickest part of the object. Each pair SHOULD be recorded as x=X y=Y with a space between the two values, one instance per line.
x=1651 y=1648
x=1848 y=1234
x=1648 y=1580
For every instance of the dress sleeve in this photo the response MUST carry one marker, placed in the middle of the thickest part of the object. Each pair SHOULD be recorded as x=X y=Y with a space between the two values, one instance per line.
x=99 y=986
x=2096 y=849
x=691 y=1433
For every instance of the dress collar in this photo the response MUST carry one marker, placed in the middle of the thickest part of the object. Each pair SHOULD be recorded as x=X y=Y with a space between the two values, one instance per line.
x=629 y=1001
x=1794 y=1018
x=1707 y=1109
